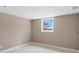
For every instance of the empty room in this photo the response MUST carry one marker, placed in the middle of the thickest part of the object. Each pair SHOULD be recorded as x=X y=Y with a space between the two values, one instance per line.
x=39 y=29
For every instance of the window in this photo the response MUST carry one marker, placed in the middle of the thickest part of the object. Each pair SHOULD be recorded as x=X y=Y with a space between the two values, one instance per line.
x=47 y=24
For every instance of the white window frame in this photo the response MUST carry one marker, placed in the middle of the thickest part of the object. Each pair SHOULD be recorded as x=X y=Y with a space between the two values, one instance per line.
x=42 y=20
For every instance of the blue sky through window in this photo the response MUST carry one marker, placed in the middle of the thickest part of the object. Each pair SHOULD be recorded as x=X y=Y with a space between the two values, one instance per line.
x=48 y=24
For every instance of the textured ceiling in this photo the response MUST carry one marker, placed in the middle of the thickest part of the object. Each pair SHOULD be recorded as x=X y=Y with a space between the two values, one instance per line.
x=34 y=12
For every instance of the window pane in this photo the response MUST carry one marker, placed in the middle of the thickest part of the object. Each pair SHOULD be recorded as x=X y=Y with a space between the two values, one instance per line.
x=47 y=25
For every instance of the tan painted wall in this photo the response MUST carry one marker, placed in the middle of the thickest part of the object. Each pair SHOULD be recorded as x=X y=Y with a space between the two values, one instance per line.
x=77 y=16
x=13 y=30
x=64 y=34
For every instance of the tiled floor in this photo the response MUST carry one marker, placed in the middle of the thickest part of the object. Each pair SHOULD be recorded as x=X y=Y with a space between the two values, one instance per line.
x=32 y=49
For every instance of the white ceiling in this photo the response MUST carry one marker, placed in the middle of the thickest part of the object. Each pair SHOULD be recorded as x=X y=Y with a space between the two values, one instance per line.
x=34 y=12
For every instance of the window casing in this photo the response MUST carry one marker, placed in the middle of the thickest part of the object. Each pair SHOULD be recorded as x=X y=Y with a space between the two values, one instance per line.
x=47 y=25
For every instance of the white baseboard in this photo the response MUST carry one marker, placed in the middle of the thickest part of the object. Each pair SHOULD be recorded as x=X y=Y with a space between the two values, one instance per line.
x=14 y=47
x=62 y=49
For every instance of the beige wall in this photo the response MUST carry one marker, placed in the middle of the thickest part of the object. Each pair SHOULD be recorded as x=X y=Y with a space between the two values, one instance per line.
x=77 y=16
x=13 y=30
x=64 y=34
